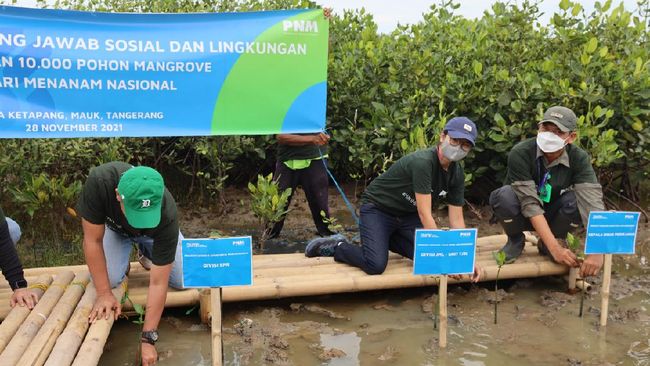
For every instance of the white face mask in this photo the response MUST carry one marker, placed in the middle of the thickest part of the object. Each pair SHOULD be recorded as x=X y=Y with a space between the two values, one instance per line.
x=453 y=153
x=549 y=142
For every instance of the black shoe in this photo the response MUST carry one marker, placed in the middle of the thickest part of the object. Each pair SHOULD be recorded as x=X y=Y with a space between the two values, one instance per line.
x=514 y=247
x=324 y=247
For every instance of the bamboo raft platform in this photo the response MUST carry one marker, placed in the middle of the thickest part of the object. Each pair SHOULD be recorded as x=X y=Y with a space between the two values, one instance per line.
x=57 y=327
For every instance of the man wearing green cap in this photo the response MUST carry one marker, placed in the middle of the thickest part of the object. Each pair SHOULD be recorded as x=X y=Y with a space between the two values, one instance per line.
x=550 y=187
x=121 y=205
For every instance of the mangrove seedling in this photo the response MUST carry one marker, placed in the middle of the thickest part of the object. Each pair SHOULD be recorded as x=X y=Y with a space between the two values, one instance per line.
x=331 y=222
x=268 y=204
x=139 y=309
x=500 y=258
x=576 y=247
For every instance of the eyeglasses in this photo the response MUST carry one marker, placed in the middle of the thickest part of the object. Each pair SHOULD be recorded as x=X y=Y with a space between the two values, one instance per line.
x=464 y=144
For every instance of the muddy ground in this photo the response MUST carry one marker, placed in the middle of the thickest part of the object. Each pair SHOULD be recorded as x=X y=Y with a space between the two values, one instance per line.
x=538 y=320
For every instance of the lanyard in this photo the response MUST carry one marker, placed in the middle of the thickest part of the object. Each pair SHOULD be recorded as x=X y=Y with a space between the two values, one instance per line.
x=544 y=175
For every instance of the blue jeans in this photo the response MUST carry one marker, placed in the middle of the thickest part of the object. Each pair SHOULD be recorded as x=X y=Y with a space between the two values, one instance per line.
x=117 y=250
x=380 y=233
x=14 y=230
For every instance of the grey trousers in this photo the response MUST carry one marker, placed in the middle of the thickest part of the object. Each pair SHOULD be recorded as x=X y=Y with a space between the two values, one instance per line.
x=562 y=214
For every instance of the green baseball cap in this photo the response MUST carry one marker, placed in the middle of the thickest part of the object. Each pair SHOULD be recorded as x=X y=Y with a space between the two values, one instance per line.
x=562 y=117
x=141 y=189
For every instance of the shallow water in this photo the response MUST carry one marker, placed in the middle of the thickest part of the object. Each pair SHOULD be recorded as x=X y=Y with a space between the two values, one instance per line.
x=536 y=326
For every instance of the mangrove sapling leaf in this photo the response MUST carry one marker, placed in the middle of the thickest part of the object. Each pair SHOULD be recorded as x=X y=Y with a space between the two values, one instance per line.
x=191 y=310
x=500 y=258
x=576 y=247
x=331 y=222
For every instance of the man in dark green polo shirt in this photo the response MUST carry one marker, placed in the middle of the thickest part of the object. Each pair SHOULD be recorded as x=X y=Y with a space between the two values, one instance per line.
x=550 y=187
x=401 y=200
x=301 y=162
x=121 y=205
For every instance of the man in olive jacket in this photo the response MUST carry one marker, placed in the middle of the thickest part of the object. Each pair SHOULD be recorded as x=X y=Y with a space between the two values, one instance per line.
x=550 y=187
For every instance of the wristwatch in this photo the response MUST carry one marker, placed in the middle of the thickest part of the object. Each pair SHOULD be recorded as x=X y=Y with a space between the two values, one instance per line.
x=19 y=284
x=150 y=336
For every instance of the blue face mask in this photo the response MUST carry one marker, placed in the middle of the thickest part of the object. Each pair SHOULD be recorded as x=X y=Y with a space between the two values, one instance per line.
x=453 y=153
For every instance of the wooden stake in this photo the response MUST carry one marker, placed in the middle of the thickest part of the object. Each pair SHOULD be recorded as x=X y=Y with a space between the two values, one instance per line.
x=18 y=314
x=205 y=305
x=217 y=342
x=573 y=276
x=44 y=341
x=442 y=296
x=607 y=277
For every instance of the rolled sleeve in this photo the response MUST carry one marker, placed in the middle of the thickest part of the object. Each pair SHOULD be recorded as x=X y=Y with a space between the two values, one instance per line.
x=528 y=199
x=589 y=197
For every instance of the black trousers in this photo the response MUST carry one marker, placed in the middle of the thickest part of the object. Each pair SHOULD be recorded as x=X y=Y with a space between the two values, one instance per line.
x=562 y=214
x=314 y=182
x=380 y=232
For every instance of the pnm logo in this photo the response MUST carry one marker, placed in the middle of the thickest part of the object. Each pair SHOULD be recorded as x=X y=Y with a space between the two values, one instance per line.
x=300 y=26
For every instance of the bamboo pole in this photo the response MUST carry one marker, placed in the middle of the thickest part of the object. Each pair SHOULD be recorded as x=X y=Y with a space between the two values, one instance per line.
x=18 y=314
x=44 y=341
x=205 y=305
x=607 y=277
x=69 y=341
x=28 y=330
x=217 y=343
x=442 y=296
x=573 y=276
x=93 y=345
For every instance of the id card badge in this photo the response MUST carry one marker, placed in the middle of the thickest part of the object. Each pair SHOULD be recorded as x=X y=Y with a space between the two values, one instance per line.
x=545 y=193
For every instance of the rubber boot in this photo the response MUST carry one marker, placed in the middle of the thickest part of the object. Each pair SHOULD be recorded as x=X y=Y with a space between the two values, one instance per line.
x=516 y=239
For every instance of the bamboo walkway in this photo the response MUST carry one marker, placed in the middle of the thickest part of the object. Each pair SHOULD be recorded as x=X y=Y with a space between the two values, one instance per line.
x=57 y=327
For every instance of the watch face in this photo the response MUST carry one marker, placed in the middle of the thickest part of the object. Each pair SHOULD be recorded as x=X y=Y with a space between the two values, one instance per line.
x=151 y=335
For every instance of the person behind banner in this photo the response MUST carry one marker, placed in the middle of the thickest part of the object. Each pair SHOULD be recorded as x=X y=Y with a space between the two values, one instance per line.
x=550 y=187
x=400 y=201
x=121 y=206
x=12 y=268
x=301 y=162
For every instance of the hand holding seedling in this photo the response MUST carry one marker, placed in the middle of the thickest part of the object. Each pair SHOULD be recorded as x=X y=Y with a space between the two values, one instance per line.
x=591 y=265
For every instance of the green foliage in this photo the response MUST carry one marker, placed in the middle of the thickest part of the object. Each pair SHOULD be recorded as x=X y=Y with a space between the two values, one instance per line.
x=268 y=203
x=575 y=246
x=139 y=309
x=331 y=222
x=502 y=71
x=499 y=257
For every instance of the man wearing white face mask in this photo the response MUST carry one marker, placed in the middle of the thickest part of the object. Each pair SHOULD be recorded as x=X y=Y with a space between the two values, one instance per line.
x=550 y=187
x=400 y=201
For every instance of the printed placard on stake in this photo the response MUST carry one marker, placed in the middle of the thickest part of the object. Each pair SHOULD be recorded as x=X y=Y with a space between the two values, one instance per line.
x=217 y=262
x=611 y=232
x=444 y=252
